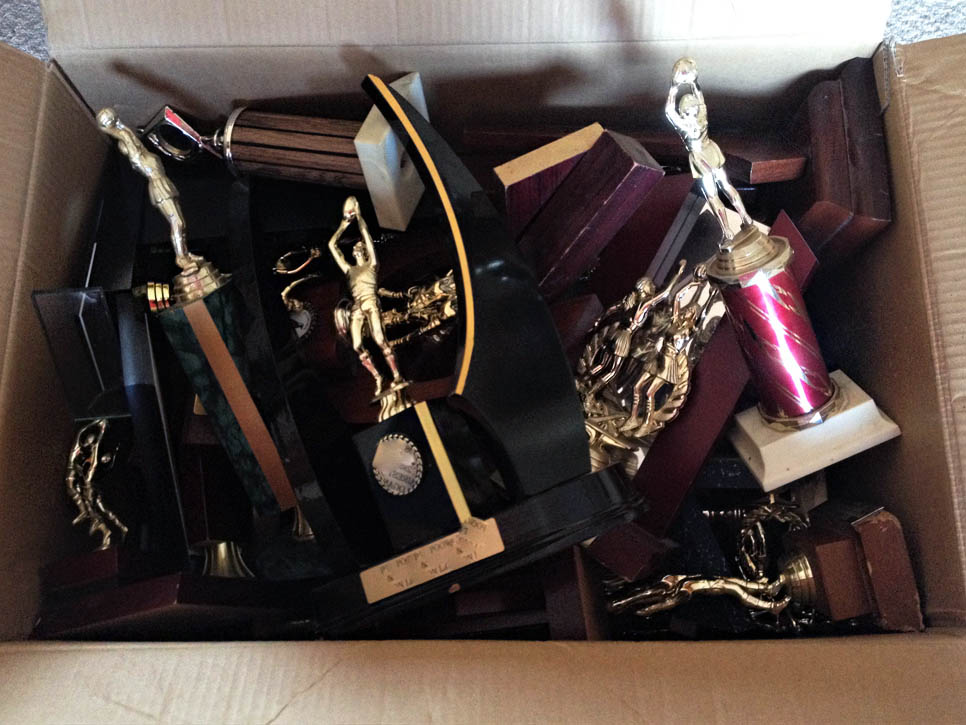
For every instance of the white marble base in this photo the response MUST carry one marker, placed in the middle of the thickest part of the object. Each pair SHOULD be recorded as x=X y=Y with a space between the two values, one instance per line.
x=391 y=176
x=778 y=457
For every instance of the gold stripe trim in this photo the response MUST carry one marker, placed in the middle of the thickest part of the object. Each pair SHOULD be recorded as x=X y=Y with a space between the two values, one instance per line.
x=454 y=227
x=240 y=401
x=442 y=460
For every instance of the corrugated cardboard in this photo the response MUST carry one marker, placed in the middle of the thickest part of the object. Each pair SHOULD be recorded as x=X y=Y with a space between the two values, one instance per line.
x=898 y=317
x=890 y=678
x=900 y=305
x=183 y=23
x=50 y=160
x=559 y=61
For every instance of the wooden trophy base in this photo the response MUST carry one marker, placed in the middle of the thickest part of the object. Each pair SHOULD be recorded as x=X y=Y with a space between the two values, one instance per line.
x=93 y=570
x=173 y=606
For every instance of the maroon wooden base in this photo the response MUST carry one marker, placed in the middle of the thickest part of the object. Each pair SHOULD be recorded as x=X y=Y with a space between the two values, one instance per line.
x=530 y=180
x=630 y=252
x=750 y=158
x=176 y=606
x=844 y=196
x=101 y=567
x=588 y=208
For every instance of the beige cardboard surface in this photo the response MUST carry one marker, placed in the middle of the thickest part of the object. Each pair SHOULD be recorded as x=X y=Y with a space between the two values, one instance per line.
x=887 y=678
x=558 y=61
x=933 y=105
x=902 y=306
x=49 y=149
x=182 y=23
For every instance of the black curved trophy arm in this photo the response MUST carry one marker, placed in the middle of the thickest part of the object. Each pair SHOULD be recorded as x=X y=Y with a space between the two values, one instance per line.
x=511 y=376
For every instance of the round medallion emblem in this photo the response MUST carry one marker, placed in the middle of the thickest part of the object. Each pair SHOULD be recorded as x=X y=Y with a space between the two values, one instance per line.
x=397 y=465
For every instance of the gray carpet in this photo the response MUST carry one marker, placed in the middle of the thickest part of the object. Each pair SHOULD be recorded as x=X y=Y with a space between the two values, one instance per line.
x=22 y=24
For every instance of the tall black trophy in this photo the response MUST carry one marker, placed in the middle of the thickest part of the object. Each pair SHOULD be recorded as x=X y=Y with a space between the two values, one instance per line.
x=493 y=471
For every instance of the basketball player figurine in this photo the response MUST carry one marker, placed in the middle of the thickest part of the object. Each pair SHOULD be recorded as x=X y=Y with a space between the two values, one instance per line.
x=365 y=315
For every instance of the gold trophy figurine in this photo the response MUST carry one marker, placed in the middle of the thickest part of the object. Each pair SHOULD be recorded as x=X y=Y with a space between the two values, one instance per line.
x=365 y=314
x=687 y=112
x=634 y=374
x=81 y=480
x=161 y=191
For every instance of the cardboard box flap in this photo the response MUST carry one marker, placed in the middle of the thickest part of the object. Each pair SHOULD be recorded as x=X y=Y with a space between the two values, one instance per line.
x=622 y=85
x=185 y=23
x=851 y=679
x=900 y=320
x=931 y=101
x=49 y=147
x=497 y=58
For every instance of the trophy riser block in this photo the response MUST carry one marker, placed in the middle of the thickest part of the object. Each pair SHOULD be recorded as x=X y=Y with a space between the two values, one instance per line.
x=427 y=512
x=530 y=180
x=838 y=566
x=777 y=458
x=391 y=179
x=664 y=479
x=846 y=188
x=530 y=530
x=632 y=251
x=750 y=159
x=890 y=572
x=300 y=148
x=174 y=606
x=586 y=211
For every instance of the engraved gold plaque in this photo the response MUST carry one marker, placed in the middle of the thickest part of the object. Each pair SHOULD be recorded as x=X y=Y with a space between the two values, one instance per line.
x=476 y=540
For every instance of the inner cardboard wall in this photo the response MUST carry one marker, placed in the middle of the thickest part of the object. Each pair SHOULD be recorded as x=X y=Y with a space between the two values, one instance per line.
x=556 y=61
x=895 y=319
x=51 y=155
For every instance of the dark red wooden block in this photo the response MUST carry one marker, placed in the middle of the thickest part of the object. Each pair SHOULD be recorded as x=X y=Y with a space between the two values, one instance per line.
x=596 y=199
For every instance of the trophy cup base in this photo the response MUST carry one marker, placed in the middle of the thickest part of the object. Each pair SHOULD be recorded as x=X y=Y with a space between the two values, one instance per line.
x=776 y=458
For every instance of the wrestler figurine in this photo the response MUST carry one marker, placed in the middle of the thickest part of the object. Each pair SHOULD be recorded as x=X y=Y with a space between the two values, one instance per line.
x=162 y=193
x=363 y=282
x=687 y=112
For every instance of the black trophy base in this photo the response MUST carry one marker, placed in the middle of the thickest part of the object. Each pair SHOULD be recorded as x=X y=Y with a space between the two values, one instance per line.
x=170 y=607
x=523 y=533
x=411 y=499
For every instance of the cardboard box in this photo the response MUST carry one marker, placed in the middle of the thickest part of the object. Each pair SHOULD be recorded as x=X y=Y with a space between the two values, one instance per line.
x=902 y=338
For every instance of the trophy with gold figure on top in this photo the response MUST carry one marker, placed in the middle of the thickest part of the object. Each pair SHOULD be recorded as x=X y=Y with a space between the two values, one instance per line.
x=806 y=418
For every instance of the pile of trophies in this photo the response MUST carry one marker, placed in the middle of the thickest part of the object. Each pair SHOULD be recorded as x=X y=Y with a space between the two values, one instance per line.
x=507 y=423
